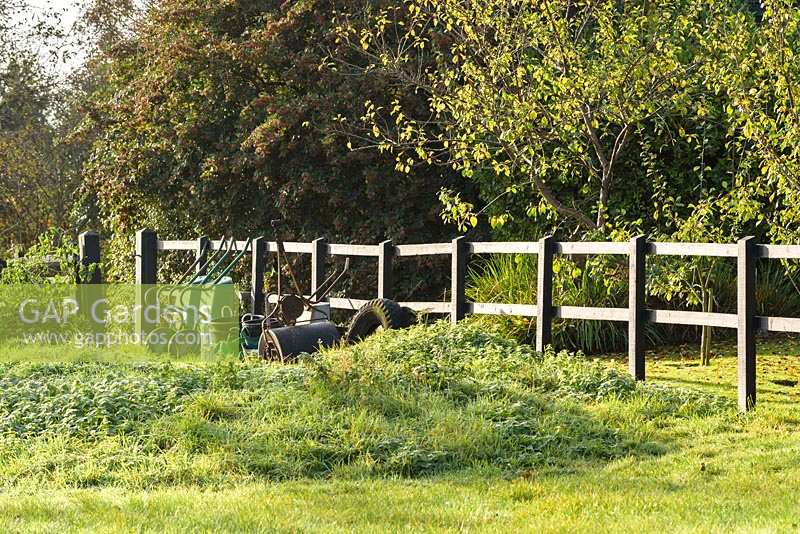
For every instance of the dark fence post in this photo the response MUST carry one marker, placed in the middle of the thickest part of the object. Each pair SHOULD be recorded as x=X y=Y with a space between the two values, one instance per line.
x=146 y=256
x=89 y=247
x=385 y=259
x=636 y=306
x=201 y=256
x=258 y=262
x=544 y=294
x=90 y=293
x=458 y=278
x=746 y=327
x=146 y=272
x=319 y=253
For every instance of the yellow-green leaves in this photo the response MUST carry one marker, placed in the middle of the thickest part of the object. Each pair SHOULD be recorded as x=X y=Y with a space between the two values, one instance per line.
x=513 y=84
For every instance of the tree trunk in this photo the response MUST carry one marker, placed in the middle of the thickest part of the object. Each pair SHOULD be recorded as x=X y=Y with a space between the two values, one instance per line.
x=602 y=206
x=707 y=331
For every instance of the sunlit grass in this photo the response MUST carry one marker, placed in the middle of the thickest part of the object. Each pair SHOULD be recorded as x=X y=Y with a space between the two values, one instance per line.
x=706 y=470
x=16 y=351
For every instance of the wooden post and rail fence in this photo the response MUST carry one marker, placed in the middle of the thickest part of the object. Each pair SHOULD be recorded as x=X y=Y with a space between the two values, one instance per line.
x=745 y=321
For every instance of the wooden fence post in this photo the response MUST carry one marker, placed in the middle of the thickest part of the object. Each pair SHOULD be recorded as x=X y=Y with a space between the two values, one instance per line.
x=458 y=278
x=385 y=259
x=89 y=247
x=146 y=256
x=746 y=325
x=258 y=261
x=201 y=255
x=544 y=294
x=319 y=253
x=636 y=306
x=146 y=273
x=90 y=293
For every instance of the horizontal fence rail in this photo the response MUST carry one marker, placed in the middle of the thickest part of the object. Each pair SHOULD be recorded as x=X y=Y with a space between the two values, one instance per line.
x=779 y=252
x=692 y=249
x=744 y=321
x=432 y=249
x=491 y=308
x=692 y=318
x=590 y=247
x=508 y=247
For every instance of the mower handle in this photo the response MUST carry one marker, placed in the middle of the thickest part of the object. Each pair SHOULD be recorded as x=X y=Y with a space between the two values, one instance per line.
x=327 y=286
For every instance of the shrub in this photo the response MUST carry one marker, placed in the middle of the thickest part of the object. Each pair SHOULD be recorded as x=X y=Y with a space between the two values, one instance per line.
x=228 y=123
x=51 y=259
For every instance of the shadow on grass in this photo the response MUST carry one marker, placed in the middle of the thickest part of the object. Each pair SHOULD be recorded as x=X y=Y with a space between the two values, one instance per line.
x=428 y=400
x=213 y=427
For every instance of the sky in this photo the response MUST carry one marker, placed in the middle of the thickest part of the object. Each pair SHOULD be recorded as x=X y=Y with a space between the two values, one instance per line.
x=68 y=11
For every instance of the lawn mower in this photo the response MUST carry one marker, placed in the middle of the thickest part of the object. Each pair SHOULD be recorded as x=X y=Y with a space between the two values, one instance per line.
x=181 y=328
x=297 y=324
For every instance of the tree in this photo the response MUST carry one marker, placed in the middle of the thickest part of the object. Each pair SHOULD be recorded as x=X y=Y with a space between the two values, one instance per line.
x=759 y=70
x=216 y=119
x=545 y=98
x=39 y=163
x=598 y=118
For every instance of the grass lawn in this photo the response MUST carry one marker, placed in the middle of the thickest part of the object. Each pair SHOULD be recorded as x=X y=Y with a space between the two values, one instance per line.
x=671 y=469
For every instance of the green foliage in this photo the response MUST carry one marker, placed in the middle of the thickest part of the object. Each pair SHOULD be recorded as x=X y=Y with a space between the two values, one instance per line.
x=758 y=68
x=584 y=117
x=51 y=259
x=578 y=109
x=777 y=290
x=87 y=400
x=39 y=165
x=599 y=281
x=215 y=118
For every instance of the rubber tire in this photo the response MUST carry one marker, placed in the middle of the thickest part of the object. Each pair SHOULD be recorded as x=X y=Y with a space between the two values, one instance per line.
x=177 y=349
x=153 y=338
x=411 y=316
x=375 y=314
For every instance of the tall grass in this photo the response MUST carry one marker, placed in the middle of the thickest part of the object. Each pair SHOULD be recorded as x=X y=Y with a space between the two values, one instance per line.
x=603 y=282
x=777 y=289
x=408 y=403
